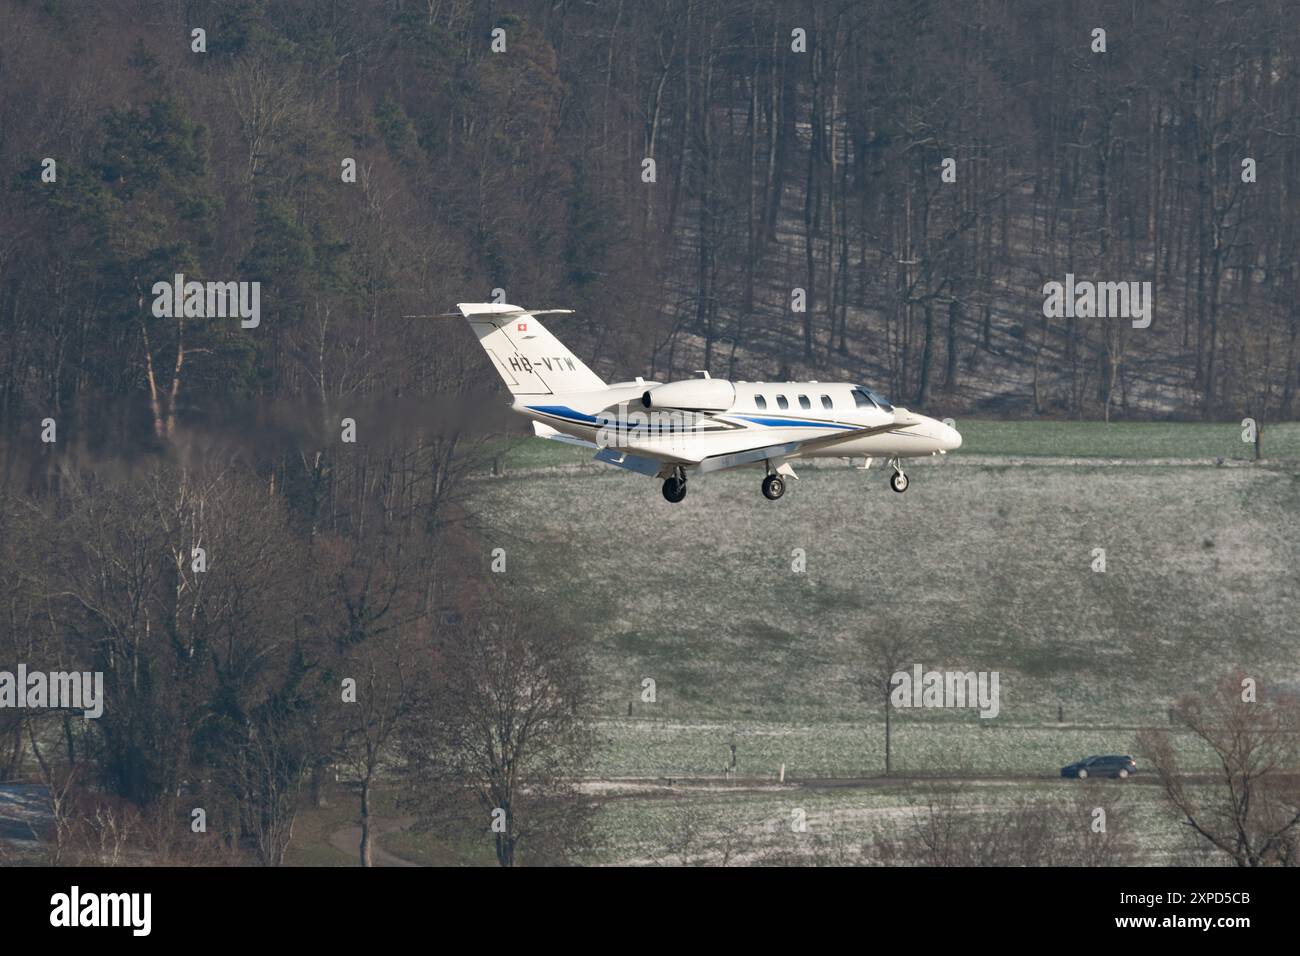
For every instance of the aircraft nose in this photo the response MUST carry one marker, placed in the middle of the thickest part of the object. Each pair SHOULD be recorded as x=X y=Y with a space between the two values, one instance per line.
x=945 y=437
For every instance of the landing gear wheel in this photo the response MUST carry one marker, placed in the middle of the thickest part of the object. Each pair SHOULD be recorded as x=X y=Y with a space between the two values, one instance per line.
x=898 y=481
x=674 y=489
x=773 y=487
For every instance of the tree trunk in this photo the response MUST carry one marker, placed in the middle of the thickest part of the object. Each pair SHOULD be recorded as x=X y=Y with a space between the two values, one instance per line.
x=927 y=356
x=367 y=858
x=888 y=728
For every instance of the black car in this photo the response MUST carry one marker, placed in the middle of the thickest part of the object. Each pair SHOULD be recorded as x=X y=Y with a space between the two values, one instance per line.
x=1113 y=766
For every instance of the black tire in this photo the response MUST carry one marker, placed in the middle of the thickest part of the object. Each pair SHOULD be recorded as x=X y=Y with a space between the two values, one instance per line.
x=674 y=489
x=898 y=481
x=1081 y=774
x=773 y=487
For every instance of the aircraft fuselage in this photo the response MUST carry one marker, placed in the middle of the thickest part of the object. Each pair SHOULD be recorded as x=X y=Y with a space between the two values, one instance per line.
x=773 y=413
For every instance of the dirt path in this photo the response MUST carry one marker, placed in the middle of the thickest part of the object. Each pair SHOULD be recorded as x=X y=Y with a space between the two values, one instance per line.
x=642 y=788
x=348 y=840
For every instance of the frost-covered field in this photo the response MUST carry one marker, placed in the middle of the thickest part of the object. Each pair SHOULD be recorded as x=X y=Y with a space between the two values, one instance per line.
x=985 y=567
x=842 y=825
x=920 y=747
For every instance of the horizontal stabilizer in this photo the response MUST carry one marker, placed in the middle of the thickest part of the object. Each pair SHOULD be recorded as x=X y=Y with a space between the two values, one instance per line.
x=502 y=310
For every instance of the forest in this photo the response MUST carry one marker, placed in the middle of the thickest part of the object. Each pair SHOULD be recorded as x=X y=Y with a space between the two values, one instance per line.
x=234 y=522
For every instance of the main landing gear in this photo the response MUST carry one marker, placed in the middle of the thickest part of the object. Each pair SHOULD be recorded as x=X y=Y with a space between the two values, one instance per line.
x=675 y=485
x=773 y=487
x=898 y=480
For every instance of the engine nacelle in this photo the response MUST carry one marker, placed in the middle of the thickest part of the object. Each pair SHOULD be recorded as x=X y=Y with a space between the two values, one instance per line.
x=696 y=395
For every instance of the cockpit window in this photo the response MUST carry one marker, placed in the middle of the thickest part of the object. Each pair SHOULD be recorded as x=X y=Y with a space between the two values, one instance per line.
x=864 y=397
x=880 y=400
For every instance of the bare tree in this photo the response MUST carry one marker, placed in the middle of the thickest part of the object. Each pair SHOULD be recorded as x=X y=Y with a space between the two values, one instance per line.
x=696 y=837
x=886 y=655
x=1250 y=809
x=59 y=780
x=947 y=829
x=388 y=676
x=499 y=745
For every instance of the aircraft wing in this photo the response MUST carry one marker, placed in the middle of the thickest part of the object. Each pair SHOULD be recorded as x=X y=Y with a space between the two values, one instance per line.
x=546 y=431
x=659 y=465
x=785 y=450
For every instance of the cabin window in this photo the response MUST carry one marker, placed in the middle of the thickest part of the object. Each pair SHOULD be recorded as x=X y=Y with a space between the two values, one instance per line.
x=760 y=401
x=781 y=402
x=803 y=402
x=826 y=402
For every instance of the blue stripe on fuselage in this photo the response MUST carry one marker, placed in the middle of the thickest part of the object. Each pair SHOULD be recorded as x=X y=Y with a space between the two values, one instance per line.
x=793 y=422
x=564 y=411
x=580 y=418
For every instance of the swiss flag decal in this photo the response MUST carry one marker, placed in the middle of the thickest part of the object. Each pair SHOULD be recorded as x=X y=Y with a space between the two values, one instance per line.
x=521 y=327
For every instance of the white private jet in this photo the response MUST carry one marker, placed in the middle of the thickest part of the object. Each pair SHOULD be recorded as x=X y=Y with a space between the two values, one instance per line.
x=697 y=425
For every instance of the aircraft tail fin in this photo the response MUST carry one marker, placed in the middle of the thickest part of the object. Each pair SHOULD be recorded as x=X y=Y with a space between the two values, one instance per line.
x=529 y=359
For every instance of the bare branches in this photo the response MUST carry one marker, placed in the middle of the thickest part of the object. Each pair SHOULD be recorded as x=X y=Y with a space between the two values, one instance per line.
x=499 y=746
x=1250 y=809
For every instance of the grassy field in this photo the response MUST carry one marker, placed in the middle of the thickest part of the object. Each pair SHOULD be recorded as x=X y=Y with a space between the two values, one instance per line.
x=311 y=831
x=984 y=565
x=842 y=824
x=1125 y=439
x=812 y=750
x=984 y=568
